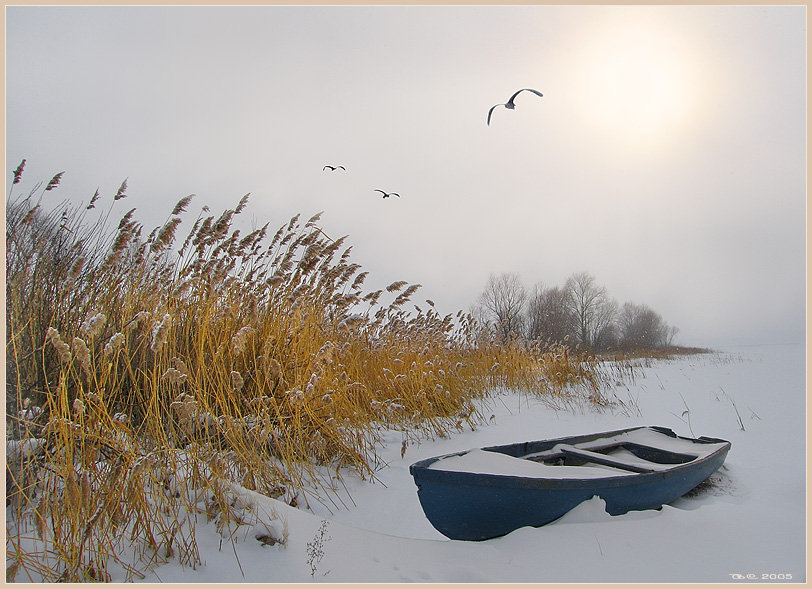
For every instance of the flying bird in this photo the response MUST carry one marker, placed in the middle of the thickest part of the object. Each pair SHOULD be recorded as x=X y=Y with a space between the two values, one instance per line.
x=333 y=168
x=387 y=194
x=510 y=104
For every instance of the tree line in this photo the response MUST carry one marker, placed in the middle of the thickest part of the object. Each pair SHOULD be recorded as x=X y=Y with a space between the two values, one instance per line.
x=580 y=315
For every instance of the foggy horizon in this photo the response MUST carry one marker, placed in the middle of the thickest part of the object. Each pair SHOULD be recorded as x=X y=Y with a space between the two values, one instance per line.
x=667 y=157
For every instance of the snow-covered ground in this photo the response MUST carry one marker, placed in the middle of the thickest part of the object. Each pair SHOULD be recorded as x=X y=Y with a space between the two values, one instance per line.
x=750 y=522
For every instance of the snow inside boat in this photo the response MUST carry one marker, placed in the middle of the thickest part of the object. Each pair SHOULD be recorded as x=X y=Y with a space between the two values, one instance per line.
x=489 y=492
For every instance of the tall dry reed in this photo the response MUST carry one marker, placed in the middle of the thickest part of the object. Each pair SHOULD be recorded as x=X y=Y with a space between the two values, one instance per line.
x=145 y=375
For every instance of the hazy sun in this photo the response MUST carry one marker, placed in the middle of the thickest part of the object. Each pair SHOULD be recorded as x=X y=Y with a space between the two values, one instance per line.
x=637 y=82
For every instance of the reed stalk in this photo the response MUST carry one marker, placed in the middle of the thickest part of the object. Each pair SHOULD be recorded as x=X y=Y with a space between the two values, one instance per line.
x=145 y=376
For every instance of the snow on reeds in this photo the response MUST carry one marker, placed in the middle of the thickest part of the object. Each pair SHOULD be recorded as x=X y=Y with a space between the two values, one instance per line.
x=145 y=375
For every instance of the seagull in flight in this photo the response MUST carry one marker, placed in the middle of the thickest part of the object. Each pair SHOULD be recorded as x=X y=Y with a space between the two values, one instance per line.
x=387 y=194
x=510 y=104
x=333 y=168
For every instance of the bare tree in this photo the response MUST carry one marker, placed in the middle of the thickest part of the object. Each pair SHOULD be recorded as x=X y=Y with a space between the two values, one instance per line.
x=580 y=315
x=548 y=315
x=672 y=333
x=593 y=313
x=605 y=333
x=480 y=324
x=504 y=299
x=641 y=327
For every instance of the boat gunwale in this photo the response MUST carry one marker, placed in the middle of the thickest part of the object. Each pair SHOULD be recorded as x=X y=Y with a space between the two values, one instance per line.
x=621 y=479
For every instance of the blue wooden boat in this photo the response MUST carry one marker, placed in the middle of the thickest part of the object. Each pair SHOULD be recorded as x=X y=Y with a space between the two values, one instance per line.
x=489 y=492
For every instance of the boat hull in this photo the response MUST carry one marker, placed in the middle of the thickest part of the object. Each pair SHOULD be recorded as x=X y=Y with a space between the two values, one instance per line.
x=475 y=506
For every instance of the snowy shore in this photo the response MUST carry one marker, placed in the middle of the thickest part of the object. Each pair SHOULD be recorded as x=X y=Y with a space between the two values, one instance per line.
x=748 y=526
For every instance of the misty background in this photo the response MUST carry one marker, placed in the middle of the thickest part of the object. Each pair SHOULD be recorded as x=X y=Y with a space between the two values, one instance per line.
x=667 y=157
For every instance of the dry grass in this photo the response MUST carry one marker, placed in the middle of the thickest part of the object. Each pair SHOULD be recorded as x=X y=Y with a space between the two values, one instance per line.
x=146 y=375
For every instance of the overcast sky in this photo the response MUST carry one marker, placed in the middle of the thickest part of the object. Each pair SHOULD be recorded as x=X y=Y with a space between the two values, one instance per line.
x=667 y=157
